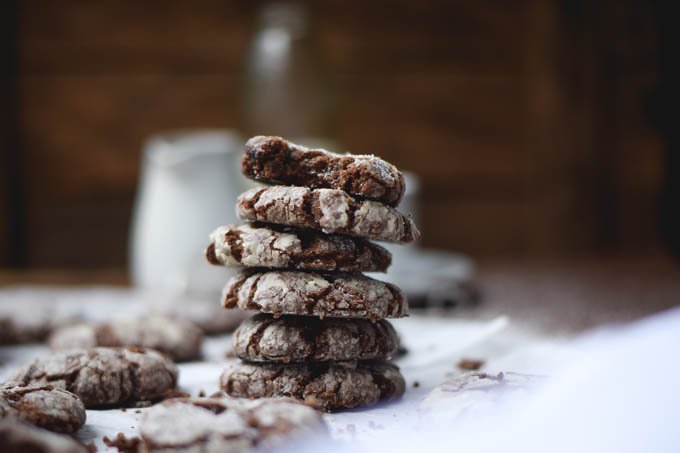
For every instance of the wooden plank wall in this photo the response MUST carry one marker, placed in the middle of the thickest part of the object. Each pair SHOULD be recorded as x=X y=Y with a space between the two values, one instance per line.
x=526 y=143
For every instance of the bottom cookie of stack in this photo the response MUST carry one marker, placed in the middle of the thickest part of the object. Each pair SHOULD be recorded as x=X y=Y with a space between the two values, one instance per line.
x=324 y=385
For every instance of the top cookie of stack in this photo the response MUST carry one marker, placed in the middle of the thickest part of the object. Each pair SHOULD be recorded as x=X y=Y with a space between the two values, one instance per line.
x=273 y=160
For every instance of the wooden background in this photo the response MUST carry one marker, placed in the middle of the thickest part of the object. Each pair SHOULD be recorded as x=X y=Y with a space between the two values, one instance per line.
x=528 y=121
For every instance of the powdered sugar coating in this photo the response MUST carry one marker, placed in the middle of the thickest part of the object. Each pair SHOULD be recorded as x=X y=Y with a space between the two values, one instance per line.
x=255 y=246
x=276 y=247
x=314 y=294
x=330 y=210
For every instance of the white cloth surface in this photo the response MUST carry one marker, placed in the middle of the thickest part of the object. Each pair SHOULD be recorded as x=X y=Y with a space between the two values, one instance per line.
x=611 y=390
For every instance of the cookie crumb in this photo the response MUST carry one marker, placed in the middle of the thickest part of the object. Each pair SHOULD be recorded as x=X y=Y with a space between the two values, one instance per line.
x=470 y=364
x=374 y=425
x=201 y=393
x=416 y=384
x=402 y=351
x=498 y=377
x=143 y=404
x=123 y=444
x=138 y=411
x=230 y=354
x=123 y=409
x=174 y=393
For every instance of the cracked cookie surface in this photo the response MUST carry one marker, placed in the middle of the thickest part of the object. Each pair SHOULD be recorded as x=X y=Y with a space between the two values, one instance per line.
x=333 y=295
x=326 y=386
x=226 y=424
x=275 y=160
x=329 y=210
x=264 y=338
x=271 y=246
x=45 y=406
x=103 y=376
x=177 y=338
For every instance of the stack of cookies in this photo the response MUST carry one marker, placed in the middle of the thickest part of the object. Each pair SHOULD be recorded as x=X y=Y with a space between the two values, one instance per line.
x=321 y=334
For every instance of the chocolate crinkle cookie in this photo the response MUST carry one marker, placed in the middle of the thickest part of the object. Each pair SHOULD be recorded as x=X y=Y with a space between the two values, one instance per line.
x=201 y=310
x=280 y=247
x=329 y=210
x=179 y=339
x=314 y=294
x=103 y=376
x=264 y=338
x=226 y=424
x=326 y=386
x=46 y=406
x=26 y=318
x=275 y=160
x=20 y=437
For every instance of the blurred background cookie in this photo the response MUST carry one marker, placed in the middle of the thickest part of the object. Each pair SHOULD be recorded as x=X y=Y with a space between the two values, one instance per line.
x=179 y=339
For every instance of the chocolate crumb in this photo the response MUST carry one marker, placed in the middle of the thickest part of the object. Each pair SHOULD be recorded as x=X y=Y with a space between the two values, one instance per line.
x=123 y=409
x=416 y=384
x=401 y=351
x=123 y=444
x=173 y=393
x=470 y=364
x=201 y=393
x=138 y=411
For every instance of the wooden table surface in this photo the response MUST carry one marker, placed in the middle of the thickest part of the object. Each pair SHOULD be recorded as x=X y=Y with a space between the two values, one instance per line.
x=562 y=295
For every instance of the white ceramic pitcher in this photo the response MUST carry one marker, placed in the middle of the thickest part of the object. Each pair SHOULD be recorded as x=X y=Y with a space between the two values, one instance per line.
x=189 y=183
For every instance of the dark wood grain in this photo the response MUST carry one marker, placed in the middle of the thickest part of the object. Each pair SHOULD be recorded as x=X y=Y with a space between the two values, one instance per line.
x=525 y=120
x=563 y=296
